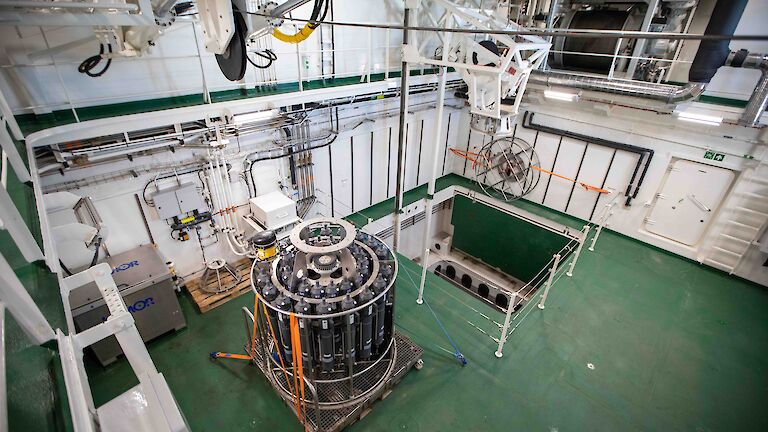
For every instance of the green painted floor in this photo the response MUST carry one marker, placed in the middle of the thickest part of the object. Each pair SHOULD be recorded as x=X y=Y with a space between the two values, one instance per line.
x=676 y=346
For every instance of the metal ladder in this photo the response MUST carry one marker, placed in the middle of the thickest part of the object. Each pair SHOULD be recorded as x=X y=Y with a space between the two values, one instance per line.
x=327 y=53
x=746 y=221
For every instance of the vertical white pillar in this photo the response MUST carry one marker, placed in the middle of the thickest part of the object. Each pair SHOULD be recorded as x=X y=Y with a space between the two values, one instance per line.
x=443 y=73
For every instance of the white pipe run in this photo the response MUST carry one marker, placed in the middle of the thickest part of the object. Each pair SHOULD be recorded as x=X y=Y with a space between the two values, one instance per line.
x=234 y=223
x=224 y=204
x=217 y=198
x=231 y=197
x=432 y=175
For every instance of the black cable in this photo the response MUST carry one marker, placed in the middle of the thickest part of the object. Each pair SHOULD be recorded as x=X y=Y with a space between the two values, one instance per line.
x=315 y=13
x=200 y=242
x=63 y=267
x=316 y=19
x=93 y=61
x=96 y=252
x=325 y=12
x=267 y=54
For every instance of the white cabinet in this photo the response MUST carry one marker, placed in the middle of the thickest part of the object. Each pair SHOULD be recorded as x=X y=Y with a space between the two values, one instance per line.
x=688 y=201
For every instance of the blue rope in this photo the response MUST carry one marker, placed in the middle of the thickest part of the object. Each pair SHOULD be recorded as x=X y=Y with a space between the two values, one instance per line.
x=456 y=352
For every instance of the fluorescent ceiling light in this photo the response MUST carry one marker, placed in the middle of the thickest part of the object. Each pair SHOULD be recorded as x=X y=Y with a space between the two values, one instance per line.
x=254 y=117
x=699 y=118
x=562 y=96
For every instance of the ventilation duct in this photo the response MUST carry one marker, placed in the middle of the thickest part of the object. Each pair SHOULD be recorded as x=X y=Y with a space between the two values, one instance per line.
x=669 y=94
x=759 y=99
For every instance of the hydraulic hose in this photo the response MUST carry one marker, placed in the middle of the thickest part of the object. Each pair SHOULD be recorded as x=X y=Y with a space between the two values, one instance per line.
x=308 y=28
x=300 y=36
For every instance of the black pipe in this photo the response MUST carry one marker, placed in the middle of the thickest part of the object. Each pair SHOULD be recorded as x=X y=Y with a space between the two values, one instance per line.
x=402 y=134
x=642 y=152
x=713 y=53
x=144 y=218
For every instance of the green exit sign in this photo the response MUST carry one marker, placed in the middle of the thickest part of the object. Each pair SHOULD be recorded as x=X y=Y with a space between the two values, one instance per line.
x=718 y=157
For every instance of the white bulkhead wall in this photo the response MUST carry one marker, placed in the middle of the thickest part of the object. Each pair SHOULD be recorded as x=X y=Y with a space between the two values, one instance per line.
x=669 y=138
x=33 y=81
x=344 y=170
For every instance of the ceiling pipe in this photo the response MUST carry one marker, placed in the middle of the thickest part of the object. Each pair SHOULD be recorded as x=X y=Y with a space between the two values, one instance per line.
x=757 y=103
x=759 y=99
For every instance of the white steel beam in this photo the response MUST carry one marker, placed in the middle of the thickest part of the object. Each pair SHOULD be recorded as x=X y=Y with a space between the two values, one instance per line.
x=136 y=122
x=68 y=14
x=432 y=177
x=9 y=119
x=22 y=307
x=9 y=147
x=18 y=230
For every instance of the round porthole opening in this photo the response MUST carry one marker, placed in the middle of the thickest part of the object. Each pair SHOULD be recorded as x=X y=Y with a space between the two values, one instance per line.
x=450 y=271
x=501 y=300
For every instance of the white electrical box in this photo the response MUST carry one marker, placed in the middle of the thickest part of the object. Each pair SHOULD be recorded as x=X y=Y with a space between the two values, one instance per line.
x=273 y=210
x=178 y=200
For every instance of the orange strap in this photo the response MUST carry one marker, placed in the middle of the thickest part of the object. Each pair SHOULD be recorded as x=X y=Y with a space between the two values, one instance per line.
x=468 y=155
x=220 y=354
x=277 y=348
x=298 y=369
x=584 y=185
x=251 y=356
x=474 y=157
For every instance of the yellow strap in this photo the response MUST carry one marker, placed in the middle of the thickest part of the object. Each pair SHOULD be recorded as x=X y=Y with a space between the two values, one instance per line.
x=301 y=36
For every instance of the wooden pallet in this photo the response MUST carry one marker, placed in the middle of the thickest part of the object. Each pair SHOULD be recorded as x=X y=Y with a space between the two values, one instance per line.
x=206 y=301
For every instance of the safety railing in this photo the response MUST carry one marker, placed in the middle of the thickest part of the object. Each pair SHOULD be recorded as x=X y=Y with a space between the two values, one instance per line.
x=151 y=399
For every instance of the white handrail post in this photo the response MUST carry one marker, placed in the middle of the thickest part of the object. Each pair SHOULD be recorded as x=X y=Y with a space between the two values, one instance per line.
x=582 y=240
x=505 y=328
x=600 y=225
x=552 y=272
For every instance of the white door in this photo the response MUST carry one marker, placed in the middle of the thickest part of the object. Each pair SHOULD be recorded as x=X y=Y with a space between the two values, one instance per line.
x=688 y=201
